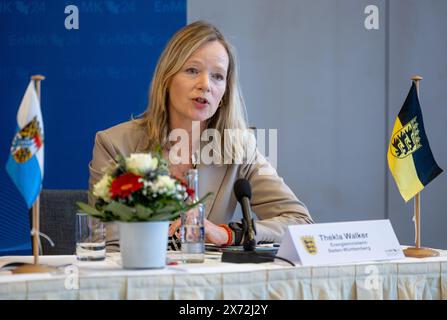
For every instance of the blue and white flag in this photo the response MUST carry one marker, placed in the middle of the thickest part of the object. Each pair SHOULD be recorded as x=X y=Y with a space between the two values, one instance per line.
x=25 y=163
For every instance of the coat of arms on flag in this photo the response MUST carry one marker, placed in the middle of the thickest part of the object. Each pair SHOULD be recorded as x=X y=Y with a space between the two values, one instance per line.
x=406 y=141
x=25 y=162
x=410 y=159
x=27 y=141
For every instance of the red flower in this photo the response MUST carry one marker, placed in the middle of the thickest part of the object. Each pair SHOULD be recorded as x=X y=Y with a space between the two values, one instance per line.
x=125 y=184
x=190 y=193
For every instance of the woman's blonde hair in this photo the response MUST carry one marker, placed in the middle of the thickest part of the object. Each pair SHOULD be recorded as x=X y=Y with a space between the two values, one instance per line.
x=230 y=115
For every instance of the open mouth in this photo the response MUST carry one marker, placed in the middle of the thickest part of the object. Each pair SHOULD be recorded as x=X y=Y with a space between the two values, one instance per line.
x=201 y=100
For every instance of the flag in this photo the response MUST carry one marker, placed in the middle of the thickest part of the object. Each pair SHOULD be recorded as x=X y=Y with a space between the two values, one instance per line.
x=25 y=162
x=410 y=159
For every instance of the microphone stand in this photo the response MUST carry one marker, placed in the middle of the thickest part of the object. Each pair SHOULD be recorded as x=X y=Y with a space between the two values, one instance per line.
x=249 y=234
x=248 y=254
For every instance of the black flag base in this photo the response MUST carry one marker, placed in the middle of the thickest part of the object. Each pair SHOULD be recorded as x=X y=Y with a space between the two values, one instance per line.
x=33 y=268
x=414 y=252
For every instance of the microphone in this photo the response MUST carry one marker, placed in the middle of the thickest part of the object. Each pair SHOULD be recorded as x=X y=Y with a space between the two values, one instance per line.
x=248 y=254
x=242 y=191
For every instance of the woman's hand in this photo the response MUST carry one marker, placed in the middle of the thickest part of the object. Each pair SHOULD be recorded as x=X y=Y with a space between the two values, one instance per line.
x=213 y=233
x=174 y=227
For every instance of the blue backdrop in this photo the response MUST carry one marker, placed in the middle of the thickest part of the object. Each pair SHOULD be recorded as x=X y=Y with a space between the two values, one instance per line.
x=96 y=76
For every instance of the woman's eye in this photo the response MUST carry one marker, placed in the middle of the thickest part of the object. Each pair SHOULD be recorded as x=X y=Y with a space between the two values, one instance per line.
x=192 y=71
x=218 y=76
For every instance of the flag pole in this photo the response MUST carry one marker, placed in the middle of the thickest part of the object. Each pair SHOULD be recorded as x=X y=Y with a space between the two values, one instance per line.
x=36 y=205
x=35 y=267
x=417 y=197
x=418 y=251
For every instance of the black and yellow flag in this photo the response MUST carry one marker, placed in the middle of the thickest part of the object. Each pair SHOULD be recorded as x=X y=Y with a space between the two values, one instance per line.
x=409 y=155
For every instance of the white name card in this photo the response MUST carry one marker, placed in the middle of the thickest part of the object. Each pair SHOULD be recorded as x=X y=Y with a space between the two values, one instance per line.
x=340 y=242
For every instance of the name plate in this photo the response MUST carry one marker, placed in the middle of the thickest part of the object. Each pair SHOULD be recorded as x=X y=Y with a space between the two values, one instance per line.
x=340 y=242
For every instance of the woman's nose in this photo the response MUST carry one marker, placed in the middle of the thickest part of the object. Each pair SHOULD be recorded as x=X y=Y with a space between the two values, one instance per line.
x=203 y=83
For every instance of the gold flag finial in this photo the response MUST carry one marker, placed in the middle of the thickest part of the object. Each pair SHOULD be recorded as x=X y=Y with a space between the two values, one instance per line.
x=416 y=78
x=38 y=77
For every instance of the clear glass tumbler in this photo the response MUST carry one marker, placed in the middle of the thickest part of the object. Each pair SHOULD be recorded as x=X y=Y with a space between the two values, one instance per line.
x=90 y=238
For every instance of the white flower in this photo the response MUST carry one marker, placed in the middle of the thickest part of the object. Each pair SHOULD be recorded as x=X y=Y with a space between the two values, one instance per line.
x=164 y=184
x=141 y=163
x=101 y=189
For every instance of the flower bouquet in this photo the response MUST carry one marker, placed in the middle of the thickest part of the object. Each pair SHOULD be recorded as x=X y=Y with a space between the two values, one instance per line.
x=139 y=188
x=138 y=193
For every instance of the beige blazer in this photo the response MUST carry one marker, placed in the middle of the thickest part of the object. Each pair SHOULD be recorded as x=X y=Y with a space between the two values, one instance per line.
x=274 y=204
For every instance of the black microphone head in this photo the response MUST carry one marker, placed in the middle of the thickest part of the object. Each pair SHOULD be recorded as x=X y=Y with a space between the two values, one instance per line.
x=242 y=189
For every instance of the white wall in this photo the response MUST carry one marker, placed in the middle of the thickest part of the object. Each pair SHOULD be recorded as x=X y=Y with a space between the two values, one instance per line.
x=333 y=89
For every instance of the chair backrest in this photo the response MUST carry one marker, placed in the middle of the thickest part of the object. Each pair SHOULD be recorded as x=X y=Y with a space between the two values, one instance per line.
x=57 y=219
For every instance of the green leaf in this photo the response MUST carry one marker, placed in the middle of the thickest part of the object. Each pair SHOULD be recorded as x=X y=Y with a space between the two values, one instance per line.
x=143 y=213
x=121 y=211
x=90 y=210
x=202 y=200
x=169 y=208
x=165 y=216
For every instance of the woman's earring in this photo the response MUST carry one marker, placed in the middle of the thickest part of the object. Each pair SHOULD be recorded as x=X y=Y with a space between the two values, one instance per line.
x=220 y=104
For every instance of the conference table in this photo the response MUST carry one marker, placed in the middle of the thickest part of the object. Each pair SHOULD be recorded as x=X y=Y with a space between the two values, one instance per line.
x=408 y=278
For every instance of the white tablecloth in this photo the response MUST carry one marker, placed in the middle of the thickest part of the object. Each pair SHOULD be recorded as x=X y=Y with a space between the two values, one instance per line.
x=404 y=279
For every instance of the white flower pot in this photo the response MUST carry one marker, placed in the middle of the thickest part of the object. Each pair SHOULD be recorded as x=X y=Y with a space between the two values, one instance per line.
x=143 y=245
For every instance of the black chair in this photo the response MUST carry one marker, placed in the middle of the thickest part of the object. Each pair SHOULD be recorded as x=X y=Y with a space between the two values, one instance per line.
x=57 y=219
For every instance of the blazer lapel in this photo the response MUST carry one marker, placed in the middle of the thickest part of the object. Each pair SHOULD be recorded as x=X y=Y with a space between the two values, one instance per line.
x=210 y=180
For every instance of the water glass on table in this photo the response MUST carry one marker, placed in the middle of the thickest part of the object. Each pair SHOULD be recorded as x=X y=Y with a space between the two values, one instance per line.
x=90 y=238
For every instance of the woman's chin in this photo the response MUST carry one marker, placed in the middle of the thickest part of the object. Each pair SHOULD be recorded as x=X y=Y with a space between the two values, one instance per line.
x=200 y=115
